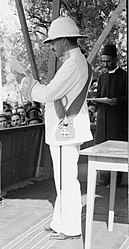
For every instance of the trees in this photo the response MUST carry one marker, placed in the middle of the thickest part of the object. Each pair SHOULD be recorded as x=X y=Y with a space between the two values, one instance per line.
x=90 y=15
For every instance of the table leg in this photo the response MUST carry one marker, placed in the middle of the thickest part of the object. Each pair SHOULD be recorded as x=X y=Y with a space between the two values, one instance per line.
x=0 y=173
x=98 y=177
x=112 y=200
x=91 y=185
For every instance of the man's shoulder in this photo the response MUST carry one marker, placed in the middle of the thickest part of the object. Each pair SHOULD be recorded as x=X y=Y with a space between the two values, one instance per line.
x=122 y=70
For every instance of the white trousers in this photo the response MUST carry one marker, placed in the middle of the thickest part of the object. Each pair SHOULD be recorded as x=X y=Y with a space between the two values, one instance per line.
x=67 y=209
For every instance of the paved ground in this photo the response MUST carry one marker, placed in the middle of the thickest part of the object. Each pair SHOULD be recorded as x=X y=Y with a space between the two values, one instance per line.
x=26 y=210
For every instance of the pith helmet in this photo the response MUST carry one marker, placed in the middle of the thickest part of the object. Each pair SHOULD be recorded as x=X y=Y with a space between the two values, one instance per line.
x=63 y=27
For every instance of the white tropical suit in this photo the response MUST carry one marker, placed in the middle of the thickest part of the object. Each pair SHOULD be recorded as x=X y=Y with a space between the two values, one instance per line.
x=67 y=83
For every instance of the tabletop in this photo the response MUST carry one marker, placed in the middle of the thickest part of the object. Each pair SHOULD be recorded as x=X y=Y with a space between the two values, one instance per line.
x=110 y=148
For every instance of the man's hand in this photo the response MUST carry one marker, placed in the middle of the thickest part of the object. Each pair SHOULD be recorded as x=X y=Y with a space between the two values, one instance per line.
x=112 y=101
x=27 y=84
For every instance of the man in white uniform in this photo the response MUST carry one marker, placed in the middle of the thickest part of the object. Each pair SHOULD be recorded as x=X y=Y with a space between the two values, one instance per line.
x=66 y=85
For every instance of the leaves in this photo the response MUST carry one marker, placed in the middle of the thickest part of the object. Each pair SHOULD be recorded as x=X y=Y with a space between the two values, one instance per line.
x=91 y=17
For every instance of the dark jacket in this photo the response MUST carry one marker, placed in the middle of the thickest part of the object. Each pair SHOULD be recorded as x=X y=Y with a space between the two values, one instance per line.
x=112 y=121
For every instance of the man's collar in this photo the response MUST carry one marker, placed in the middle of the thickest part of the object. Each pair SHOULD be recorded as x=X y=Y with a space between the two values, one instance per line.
x=67 y=54
x=114 y=70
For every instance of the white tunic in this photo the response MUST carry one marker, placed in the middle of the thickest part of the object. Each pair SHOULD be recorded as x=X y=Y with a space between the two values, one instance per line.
x=68 y=81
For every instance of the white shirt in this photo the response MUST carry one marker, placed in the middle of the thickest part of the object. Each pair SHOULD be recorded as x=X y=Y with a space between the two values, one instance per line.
x=68 y=81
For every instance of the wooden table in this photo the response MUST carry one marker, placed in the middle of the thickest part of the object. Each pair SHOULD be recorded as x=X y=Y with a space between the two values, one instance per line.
x=109 y=156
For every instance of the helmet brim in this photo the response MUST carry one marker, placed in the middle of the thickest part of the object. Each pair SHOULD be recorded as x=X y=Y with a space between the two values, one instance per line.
x=50 y=39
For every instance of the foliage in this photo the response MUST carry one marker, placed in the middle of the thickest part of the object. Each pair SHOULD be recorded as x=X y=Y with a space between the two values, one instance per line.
x=91 y=17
